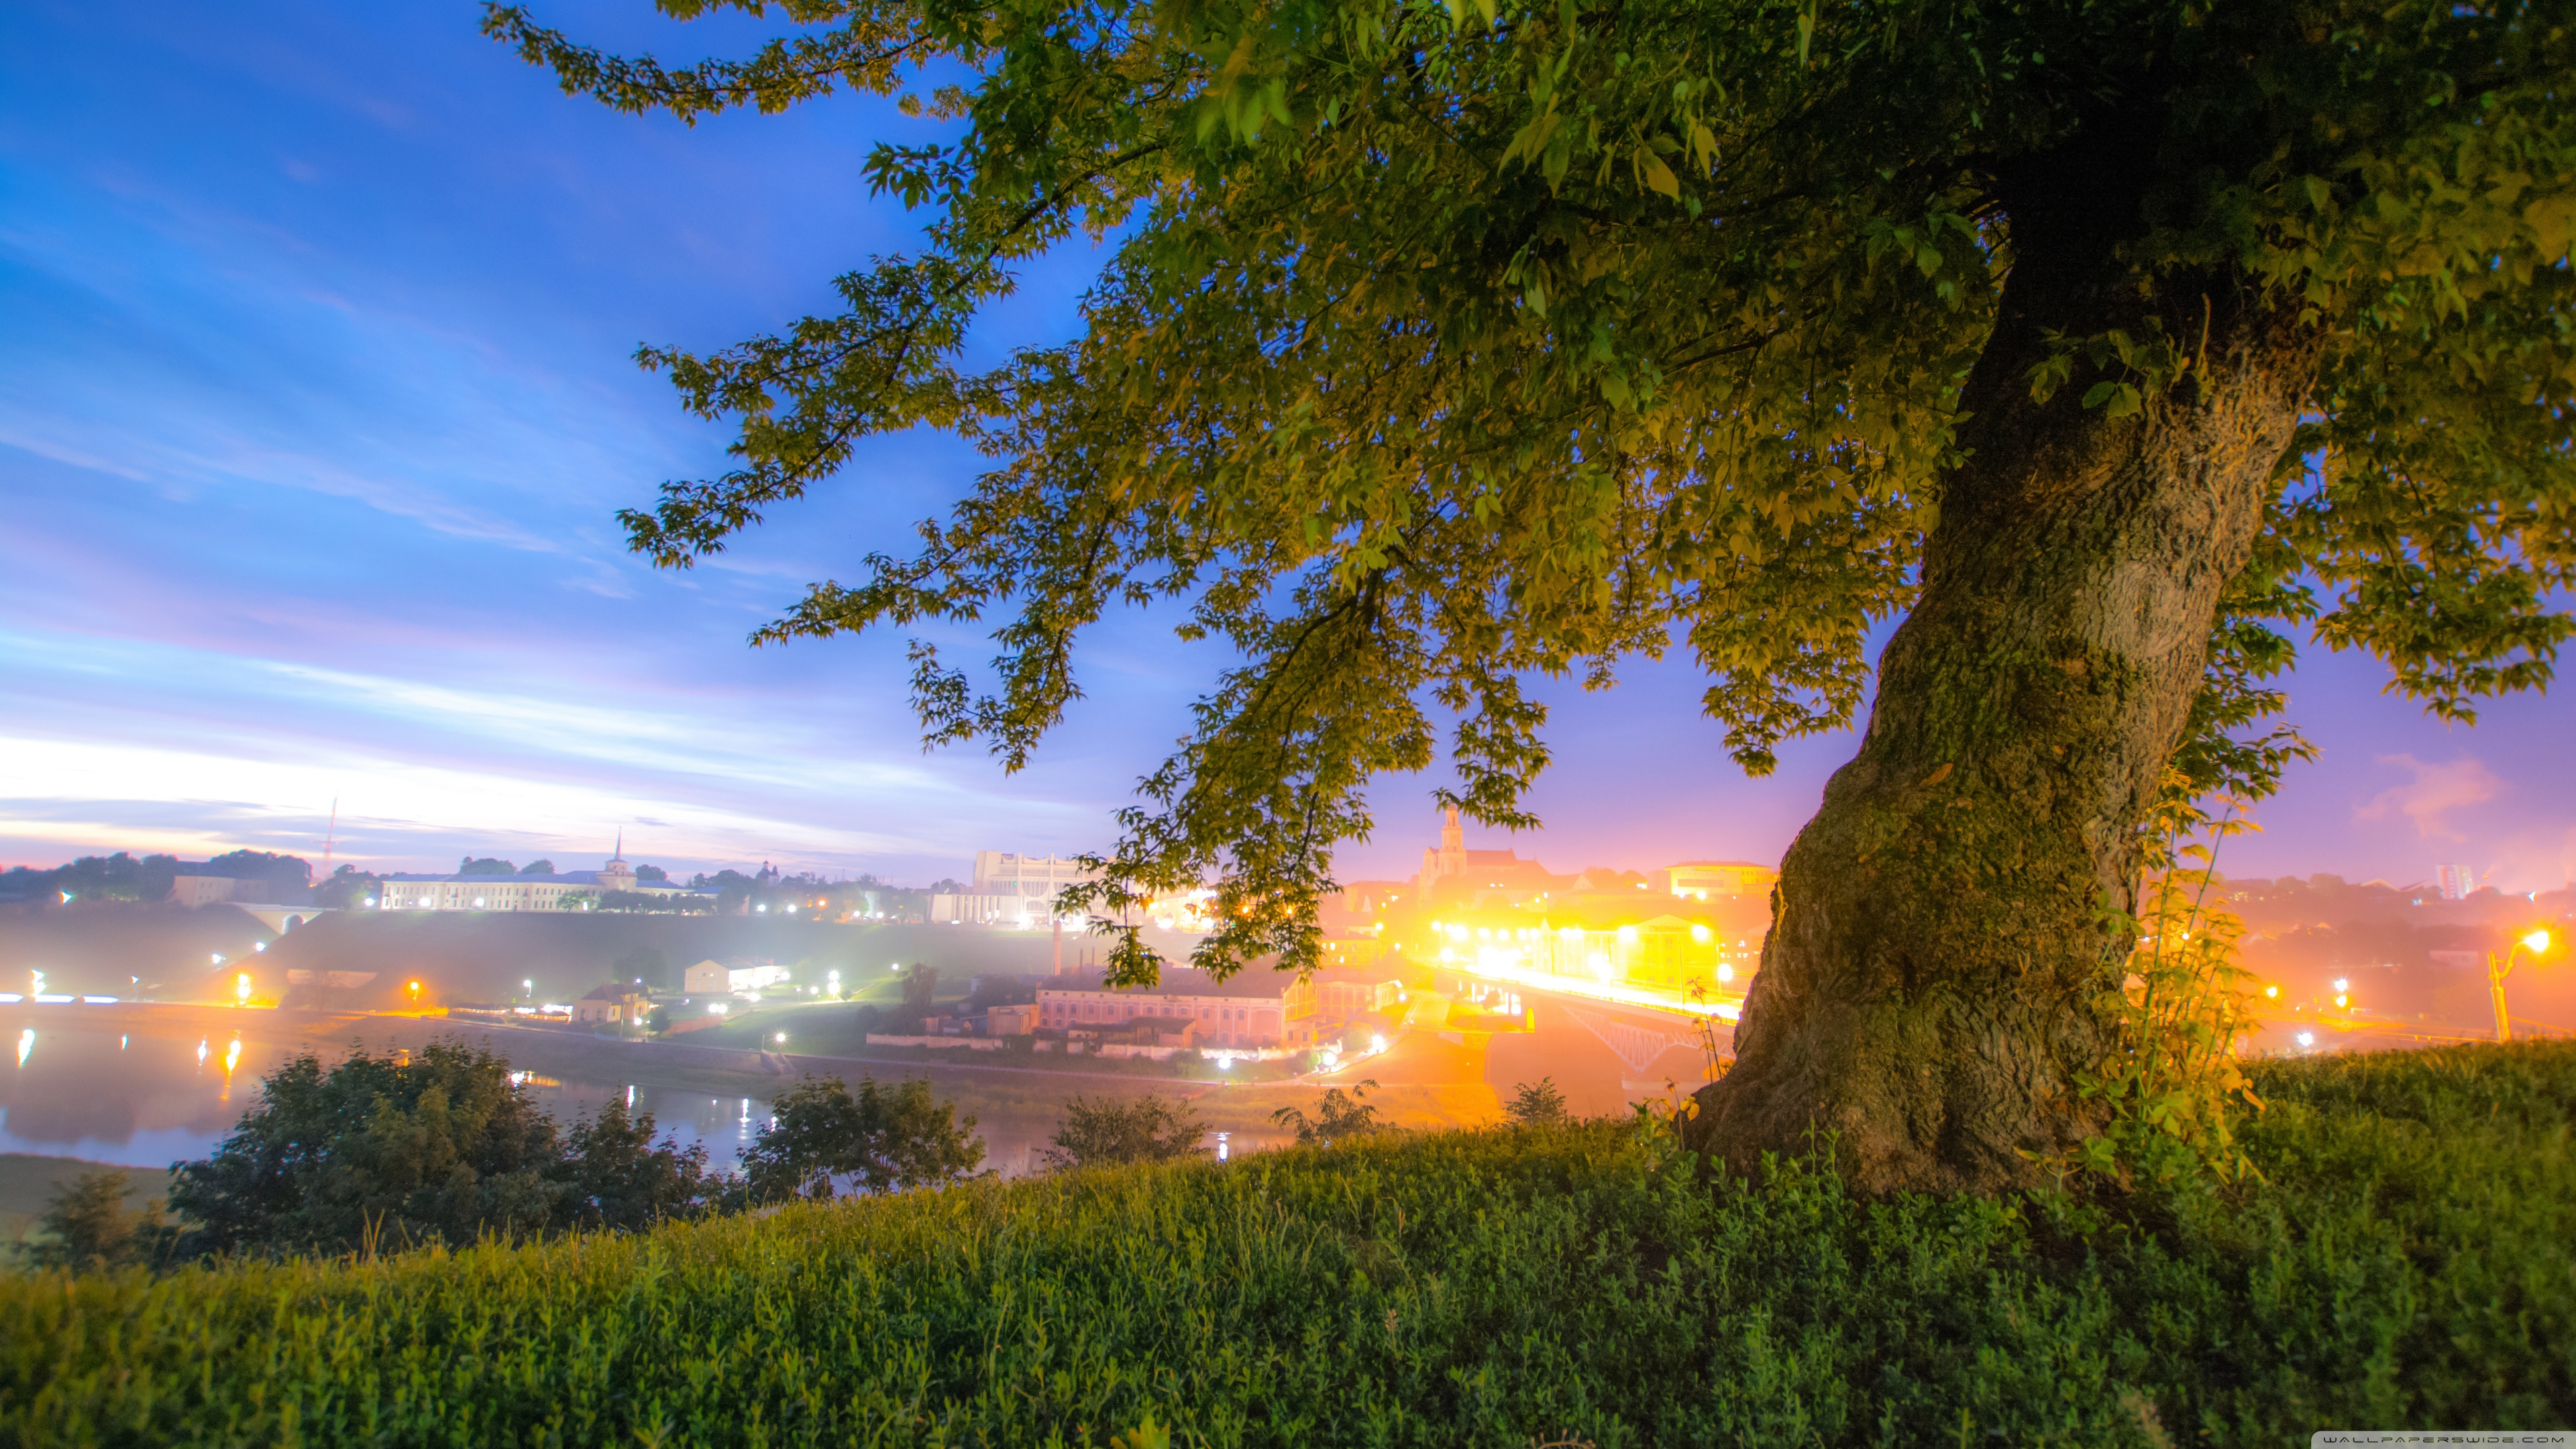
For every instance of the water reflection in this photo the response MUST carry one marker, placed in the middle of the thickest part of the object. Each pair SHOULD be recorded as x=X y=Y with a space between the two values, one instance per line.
x=148 y=1100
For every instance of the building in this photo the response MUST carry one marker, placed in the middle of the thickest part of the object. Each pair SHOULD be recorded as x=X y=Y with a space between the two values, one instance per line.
x=208 y=890
x=1664 y=953
x=564 y=891
x=1702 y=880
x=1255 y=1009
x=1454 y=873
x=1015 y=1020
x=732 y=975
x=1010 y=890
x=2456 y=881
x=618 y=1004
x=1352 y=951
x=1342 y=1000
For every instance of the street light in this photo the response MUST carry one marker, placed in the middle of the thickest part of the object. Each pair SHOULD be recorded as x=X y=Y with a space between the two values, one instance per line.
x=2535 y=943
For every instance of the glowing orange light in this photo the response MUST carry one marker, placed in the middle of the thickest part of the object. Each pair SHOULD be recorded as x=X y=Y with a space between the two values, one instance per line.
x=2537 y=941
x=241 y=987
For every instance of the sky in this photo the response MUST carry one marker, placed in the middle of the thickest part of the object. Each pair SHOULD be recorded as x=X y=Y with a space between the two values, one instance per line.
x=317 y=402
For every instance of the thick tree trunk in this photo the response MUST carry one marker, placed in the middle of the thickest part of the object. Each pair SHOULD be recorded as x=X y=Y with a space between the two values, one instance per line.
x=1930 y=984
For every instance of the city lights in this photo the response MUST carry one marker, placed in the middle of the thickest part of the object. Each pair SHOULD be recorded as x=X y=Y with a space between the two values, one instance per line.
x=241 y=987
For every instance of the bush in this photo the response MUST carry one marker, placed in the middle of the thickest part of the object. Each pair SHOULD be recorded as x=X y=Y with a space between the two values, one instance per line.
x=1096 y=1131
x=1536 y=1103
x=438 y=1146
x=2405 y=1263
x=88 y=1228
x=884 y=1139
x=1339 y=1115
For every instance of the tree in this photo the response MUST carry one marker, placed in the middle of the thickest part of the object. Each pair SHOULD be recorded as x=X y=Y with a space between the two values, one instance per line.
x=88 y=1228
x=376 y=1152
x=1339 y=1115
x=1446 y=348
x=615 y=1175
x=883 y=1139
x=920 y=988
x=1105 y=1130
x=543 y=867
x=485 y=865
x=441 y=1146
x=1536 y=1103
x=346 y=888
x=651 y=872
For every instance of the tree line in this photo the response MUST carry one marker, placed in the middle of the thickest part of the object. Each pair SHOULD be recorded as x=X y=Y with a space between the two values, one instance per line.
x=440 y=1146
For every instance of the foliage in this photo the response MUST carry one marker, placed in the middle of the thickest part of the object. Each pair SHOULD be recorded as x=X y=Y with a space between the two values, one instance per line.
x=485 y=865
x=346 y=888
x=2403 y=1261
x=882 y=1139
x=88 y=1228
x=614 y=1175
x=1338 y=1117
x=2173 y=1081
x=436 y=1145
x=122 y=877
x=651 y=872
x=920 y=987
x=1442 y=347
x=541 y=867
x=1536 y=1103
x=1103 y=1130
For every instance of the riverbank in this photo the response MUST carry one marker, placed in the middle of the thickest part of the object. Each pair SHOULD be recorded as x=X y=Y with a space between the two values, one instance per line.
x=2405 y=1264
x=1426 y=1083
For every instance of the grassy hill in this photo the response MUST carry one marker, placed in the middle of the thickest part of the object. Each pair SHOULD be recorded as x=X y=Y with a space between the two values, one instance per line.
x=2408 y=1264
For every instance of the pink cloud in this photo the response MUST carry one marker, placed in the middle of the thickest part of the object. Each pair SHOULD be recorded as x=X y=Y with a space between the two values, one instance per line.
x=2435 y=792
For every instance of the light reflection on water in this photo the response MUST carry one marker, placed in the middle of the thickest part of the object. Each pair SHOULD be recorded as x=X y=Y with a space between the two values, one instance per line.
x=146 y=1100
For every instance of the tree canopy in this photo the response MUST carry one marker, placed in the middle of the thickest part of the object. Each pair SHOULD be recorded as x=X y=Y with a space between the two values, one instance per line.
x=1444 y=347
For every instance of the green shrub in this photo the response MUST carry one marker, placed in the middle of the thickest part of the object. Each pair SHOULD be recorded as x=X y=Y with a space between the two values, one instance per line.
x=1105 y=1130
x=409 y=1148
x=2406 y=1262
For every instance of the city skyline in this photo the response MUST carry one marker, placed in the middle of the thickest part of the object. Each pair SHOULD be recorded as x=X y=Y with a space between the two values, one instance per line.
x=316 y=406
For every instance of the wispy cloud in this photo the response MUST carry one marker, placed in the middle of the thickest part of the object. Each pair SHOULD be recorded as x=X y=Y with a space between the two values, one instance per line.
x=2433 y=795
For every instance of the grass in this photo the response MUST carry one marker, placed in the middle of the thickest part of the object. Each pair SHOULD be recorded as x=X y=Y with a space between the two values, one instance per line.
x=2411 y=1263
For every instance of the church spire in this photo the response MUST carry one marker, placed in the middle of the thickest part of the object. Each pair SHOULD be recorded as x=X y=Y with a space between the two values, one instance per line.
x=621 y=844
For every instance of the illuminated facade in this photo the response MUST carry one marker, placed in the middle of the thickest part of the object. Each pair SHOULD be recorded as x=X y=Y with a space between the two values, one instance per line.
x=1702 y=880
x=1663 y=954
x=1010 y=890
x=1245 y=1011
x=561 y=892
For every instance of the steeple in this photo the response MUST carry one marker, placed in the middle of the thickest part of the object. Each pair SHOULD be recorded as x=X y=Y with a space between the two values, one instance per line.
x=620 y=856
x=1451 y=837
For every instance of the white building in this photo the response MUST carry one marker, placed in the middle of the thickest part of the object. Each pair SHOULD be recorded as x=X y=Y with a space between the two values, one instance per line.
x=2456 y=882
x=550 y=892
x=718 y=978
x=1010 y=890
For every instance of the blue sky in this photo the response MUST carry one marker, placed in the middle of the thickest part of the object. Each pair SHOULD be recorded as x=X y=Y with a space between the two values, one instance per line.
x=316 y=402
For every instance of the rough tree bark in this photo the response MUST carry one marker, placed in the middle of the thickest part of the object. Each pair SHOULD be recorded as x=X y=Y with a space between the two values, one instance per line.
x=1928 y=988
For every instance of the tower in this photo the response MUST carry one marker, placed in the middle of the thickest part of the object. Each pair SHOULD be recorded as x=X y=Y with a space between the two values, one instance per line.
x=617 y=875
